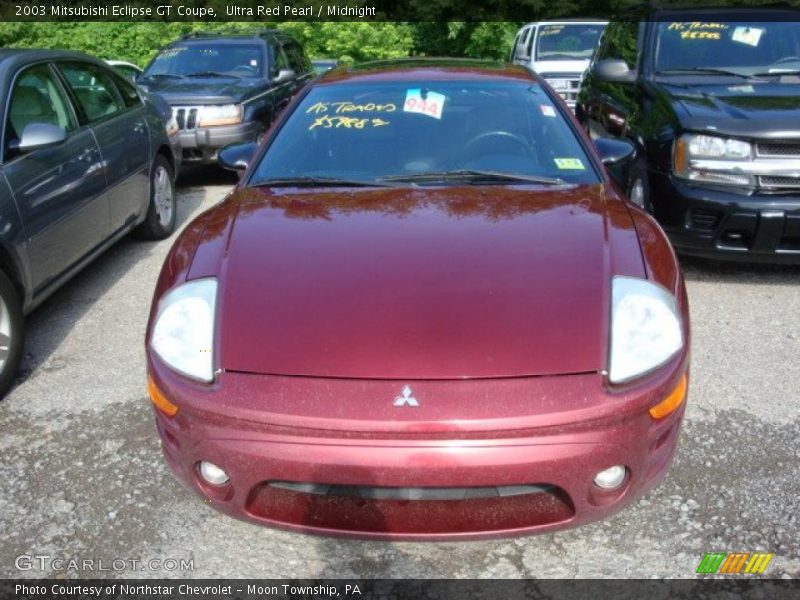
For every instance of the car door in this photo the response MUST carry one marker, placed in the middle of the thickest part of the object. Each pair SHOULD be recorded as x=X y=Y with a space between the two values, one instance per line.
x=281 y=92
x=300 y=64
x=116 y=115
x=59 y=189
x=608 y=106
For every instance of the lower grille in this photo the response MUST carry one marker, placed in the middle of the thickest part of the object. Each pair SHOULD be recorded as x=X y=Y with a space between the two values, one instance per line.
x=376 y=510
x=782 y=182
x=410 y=493
x=703 y=220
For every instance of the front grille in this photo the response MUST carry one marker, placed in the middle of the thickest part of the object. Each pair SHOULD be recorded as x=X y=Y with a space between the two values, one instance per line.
x=778 y=149
x=185 y=116
x=782 y=182
x=570 y=94
x=703 y=219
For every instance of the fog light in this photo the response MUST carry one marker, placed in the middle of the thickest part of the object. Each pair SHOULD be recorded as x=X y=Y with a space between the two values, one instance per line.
x=212 y=473
x=611 y=478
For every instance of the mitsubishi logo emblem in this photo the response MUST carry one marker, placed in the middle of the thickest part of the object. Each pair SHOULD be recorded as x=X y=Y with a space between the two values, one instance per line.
x=406 y=399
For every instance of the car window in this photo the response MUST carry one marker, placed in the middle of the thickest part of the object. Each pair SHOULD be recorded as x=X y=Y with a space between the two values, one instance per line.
x=281 y=61
x=127 y=72
x=93 y=88
x=127 y=91
x=37 y=98
x=743 y=46
x=370 y=131
x=568 y=41
x=620 y=42
x=203 y=58
x=295 y=57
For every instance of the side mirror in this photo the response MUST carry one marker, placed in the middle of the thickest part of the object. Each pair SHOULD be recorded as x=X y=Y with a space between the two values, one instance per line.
x=283 y=76
x=613 y=70
x=617 y=155
x=236 y=157
x=38 y=135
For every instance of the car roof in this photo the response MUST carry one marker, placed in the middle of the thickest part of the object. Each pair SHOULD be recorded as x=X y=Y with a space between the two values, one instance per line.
x=426 y=69
x=234 y=37
x=13 y=57
x=732 y=13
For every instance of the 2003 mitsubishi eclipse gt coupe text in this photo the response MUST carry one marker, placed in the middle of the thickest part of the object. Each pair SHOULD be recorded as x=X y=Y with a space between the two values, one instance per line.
x=426 y=311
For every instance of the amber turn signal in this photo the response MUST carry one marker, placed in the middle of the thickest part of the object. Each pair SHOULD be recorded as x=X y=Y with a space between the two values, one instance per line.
x=159 y=400
x=671 y=403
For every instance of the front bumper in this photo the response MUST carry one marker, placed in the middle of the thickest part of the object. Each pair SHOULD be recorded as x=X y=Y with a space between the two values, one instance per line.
x=724 y=224
x=417 y=475
x=201 y=145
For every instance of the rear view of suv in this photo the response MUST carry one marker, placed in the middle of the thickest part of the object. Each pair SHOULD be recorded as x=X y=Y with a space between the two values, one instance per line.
x=559 y=51
x=226 y=88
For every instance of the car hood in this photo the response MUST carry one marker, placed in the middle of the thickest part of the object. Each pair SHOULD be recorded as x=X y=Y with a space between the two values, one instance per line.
x=203 y=90
x=420 y=284
x=757 y=109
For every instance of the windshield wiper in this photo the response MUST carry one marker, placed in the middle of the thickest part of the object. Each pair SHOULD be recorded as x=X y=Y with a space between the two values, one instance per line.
x=711 y=70
x=165 y=75
x=778 y=71
x=473 y=176
x=212 y=74
x=313 y=181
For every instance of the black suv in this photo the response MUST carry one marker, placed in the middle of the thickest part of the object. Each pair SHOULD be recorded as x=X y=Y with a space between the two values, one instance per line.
x=226 y=87
x=712 y=102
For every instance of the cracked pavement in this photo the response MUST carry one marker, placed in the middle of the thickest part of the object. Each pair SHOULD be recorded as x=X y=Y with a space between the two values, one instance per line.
x=83 y=475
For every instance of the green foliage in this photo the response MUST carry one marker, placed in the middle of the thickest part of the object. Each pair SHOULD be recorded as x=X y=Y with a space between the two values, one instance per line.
x=349 y=41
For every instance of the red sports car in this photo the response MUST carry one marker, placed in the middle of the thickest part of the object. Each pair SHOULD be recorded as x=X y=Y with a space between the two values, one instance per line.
x=426 y=311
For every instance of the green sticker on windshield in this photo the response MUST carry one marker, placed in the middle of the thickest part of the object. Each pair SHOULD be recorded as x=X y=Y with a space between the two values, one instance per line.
x=569 y=163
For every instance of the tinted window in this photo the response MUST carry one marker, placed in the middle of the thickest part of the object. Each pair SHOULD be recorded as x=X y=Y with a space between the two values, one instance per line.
x=127 y=72
x=567 y=42
x=295 y=56
x=94 y=89
x=619 y=41
x=37 y=98
x=281 y=61
x=754 y=46
x=364 y=132
x=128 y=92
x=243 y=60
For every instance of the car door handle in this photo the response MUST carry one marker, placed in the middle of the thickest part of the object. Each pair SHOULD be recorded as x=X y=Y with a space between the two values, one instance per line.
x=87 y=155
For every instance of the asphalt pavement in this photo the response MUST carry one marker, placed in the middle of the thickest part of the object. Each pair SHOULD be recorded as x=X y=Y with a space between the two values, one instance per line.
x=81 y=473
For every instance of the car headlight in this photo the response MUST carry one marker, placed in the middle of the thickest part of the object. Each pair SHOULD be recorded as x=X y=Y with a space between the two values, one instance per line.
x=225 y=114
x=711 y=148
x=183 y=333
x=645 y=328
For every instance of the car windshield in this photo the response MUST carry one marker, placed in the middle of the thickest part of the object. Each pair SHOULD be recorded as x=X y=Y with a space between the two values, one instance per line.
x=745 y=48
x=568 y=42
x=426 y=132
x=239 y=60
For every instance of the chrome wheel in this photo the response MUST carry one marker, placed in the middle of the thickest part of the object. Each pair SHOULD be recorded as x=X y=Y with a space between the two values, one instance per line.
x=637 y=193
x=5 y=334
x=163 y=199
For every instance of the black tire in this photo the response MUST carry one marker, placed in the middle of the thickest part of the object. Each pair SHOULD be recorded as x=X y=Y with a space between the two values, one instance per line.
x=12 y=331
x=162 y=210
x=638 y=177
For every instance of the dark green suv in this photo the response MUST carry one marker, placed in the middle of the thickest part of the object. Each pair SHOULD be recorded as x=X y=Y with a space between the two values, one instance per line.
x=711 y=102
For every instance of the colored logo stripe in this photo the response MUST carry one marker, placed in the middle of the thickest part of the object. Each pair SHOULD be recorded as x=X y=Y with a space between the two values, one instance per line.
x=711 y=562
x=722 y=562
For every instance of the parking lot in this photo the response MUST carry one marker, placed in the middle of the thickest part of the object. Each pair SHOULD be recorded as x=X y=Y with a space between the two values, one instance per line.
x=82 y=474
